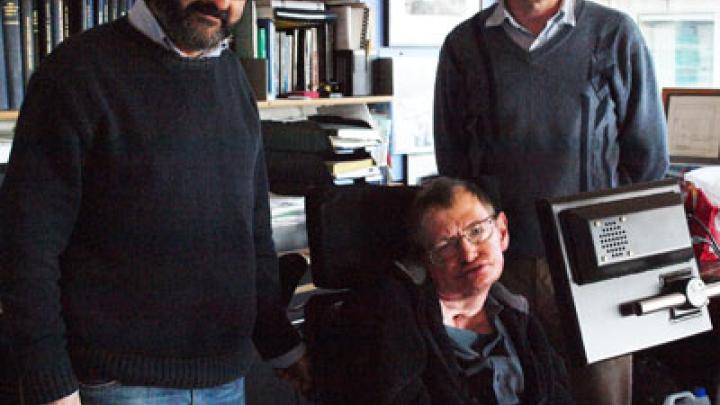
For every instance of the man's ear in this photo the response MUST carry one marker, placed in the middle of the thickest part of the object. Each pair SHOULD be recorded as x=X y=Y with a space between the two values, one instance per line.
x=502 y=226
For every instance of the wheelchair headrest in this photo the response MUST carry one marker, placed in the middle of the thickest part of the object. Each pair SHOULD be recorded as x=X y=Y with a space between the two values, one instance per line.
x=356 y=231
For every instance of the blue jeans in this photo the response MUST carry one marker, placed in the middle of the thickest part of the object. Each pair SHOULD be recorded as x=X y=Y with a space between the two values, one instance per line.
x=114 y=393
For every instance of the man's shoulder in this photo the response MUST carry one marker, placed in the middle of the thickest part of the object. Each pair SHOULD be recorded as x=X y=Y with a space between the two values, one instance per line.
x=603 y=17
x=86 y=47
x=467 y=30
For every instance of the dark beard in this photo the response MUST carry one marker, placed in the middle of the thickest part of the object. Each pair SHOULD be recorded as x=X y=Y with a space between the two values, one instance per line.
x=181 y=27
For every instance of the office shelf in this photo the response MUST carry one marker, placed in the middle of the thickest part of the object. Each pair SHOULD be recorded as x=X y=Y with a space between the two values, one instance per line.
x=280 y=103
x=8 y=115
x=315 y=102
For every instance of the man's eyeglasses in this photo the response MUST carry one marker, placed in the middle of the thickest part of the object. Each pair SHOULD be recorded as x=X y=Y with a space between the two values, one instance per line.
x=448 y=250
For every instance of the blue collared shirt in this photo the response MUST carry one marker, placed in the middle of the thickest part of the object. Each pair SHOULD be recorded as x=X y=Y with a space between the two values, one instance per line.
x=495 y=353
x=521 y=35
x=144 y=21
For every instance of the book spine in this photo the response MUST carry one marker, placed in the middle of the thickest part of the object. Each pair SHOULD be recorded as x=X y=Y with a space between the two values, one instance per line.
x=75 y=15
x=36 y=32
x=13 y=53
x=307 y=58
x=44 y=32
x=344 y=63
x=322 y=51
x=364 y=27
x=261 y=54
x=276 y=64
x=294 y=59
x=26 y=39
x=301 y=61
x=58 y=22
x=4 y=101
x=99 y=12
x=67 y=8
x=314 y=61
x=245 y=33
x=57 y=26
x=88 y=14
x=113 y=10
x=285 y=63
x=343 y=28
x=269 y=52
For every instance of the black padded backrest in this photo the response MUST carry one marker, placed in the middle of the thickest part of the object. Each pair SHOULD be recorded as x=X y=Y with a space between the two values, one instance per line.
x=356 y=231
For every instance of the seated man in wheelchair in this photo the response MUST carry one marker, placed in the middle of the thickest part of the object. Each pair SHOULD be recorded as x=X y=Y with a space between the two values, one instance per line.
x=438 y=328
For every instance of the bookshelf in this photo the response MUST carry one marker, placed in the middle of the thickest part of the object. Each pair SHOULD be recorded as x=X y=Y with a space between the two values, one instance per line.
x=320 y=102
x=293 y=47
x=11 y=116
x=8 y=115
x=32 y=29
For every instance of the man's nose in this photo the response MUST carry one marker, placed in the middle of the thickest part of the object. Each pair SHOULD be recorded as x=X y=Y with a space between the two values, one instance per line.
x=468 y=250
x=222 y=4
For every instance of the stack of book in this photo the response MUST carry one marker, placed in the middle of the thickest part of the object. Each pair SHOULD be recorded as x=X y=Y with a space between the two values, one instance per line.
x=31 y=29
x=321 y=150
x=294 y=38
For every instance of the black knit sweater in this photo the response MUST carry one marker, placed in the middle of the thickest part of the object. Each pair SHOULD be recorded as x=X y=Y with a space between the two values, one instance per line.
x=136 y=240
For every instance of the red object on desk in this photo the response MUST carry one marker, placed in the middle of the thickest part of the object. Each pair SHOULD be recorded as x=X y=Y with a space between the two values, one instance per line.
x=703 y=224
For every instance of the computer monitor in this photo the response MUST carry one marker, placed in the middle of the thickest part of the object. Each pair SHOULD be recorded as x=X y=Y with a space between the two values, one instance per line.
x=623 y=269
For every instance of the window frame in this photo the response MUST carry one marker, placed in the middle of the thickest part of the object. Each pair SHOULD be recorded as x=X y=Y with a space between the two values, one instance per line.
x=694 y=16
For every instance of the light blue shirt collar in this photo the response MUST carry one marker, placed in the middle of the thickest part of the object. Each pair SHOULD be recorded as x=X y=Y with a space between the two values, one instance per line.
x=144 y=21
x=565 y=15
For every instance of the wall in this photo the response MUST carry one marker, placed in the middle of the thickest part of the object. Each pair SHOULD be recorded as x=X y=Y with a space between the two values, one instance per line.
x=414 y=77
x=683 y=36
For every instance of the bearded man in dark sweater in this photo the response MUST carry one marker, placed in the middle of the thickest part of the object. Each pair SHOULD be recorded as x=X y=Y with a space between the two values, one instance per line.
x=137 y=258
x=549 y=98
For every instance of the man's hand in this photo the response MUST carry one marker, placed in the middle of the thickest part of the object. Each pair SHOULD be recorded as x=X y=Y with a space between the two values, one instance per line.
x=72 y=399
x=298 y=375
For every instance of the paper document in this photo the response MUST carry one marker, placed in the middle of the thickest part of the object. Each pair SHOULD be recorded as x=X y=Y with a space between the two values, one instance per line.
x=286 y=209
x=349 y=143
x=694 y=126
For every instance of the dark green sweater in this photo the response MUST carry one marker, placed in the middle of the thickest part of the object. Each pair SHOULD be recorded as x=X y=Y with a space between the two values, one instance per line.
x=136 y=241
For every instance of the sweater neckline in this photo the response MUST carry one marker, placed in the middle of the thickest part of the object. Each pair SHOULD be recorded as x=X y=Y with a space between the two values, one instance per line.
x=164 y=55
x=545 y=49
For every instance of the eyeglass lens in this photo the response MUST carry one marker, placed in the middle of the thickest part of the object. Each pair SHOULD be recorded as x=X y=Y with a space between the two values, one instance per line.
x=475 y=234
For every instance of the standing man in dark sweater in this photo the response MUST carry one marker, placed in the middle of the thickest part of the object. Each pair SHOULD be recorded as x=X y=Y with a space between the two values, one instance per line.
x=137 y=260
x=549 y=98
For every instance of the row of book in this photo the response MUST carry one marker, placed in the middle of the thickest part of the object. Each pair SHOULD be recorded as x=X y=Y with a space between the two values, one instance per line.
x=321 y=150
x=31 y=29
x=299 y=43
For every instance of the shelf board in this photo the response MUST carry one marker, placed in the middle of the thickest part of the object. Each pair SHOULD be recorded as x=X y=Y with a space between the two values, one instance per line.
x=280 y=103
x=315 y=102
x=8 y=115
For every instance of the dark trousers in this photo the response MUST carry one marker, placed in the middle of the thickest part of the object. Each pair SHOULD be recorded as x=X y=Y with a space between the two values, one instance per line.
x=603 y=383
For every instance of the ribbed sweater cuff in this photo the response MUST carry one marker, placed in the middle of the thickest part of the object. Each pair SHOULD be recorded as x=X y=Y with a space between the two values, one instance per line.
x=49 y=384
x=288 y=359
